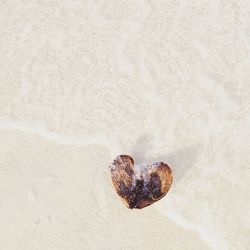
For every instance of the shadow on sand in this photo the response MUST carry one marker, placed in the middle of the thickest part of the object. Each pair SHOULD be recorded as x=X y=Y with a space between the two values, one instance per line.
x=180 y=160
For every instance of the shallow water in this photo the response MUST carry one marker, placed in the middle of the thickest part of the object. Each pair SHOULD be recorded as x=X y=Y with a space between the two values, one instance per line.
x=165 y=81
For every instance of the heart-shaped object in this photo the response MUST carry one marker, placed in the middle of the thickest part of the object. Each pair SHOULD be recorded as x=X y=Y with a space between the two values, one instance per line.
x=140 y=187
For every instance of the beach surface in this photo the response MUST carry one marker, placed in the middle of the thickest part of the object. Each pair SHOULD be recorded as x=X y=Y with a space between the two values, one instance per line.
x=82 y=82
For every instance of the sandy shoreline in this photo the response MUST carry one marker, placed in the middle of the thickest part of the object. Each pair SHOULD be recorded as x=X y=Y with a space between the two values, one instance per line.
x=59 y=196
x=84 y=81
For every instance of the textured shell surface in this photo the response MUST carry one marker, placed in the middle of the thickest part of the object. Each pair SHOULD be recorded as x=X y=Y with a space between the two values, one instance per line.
x=140 y=186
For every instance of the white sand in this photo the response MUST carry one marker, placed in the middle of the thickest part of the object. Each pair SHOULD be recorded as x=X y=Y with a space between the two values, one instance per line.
x=84 y=81
x=56 y=196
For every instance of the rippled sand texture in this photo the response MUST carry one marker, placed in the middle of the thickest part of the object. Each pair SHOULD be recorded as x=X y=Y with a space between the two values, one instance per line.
x=84 y=81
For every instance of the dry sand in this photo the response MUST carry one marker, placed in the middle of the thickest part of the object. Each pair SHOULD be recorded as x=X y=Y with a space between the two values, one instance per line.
x=84 y=81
